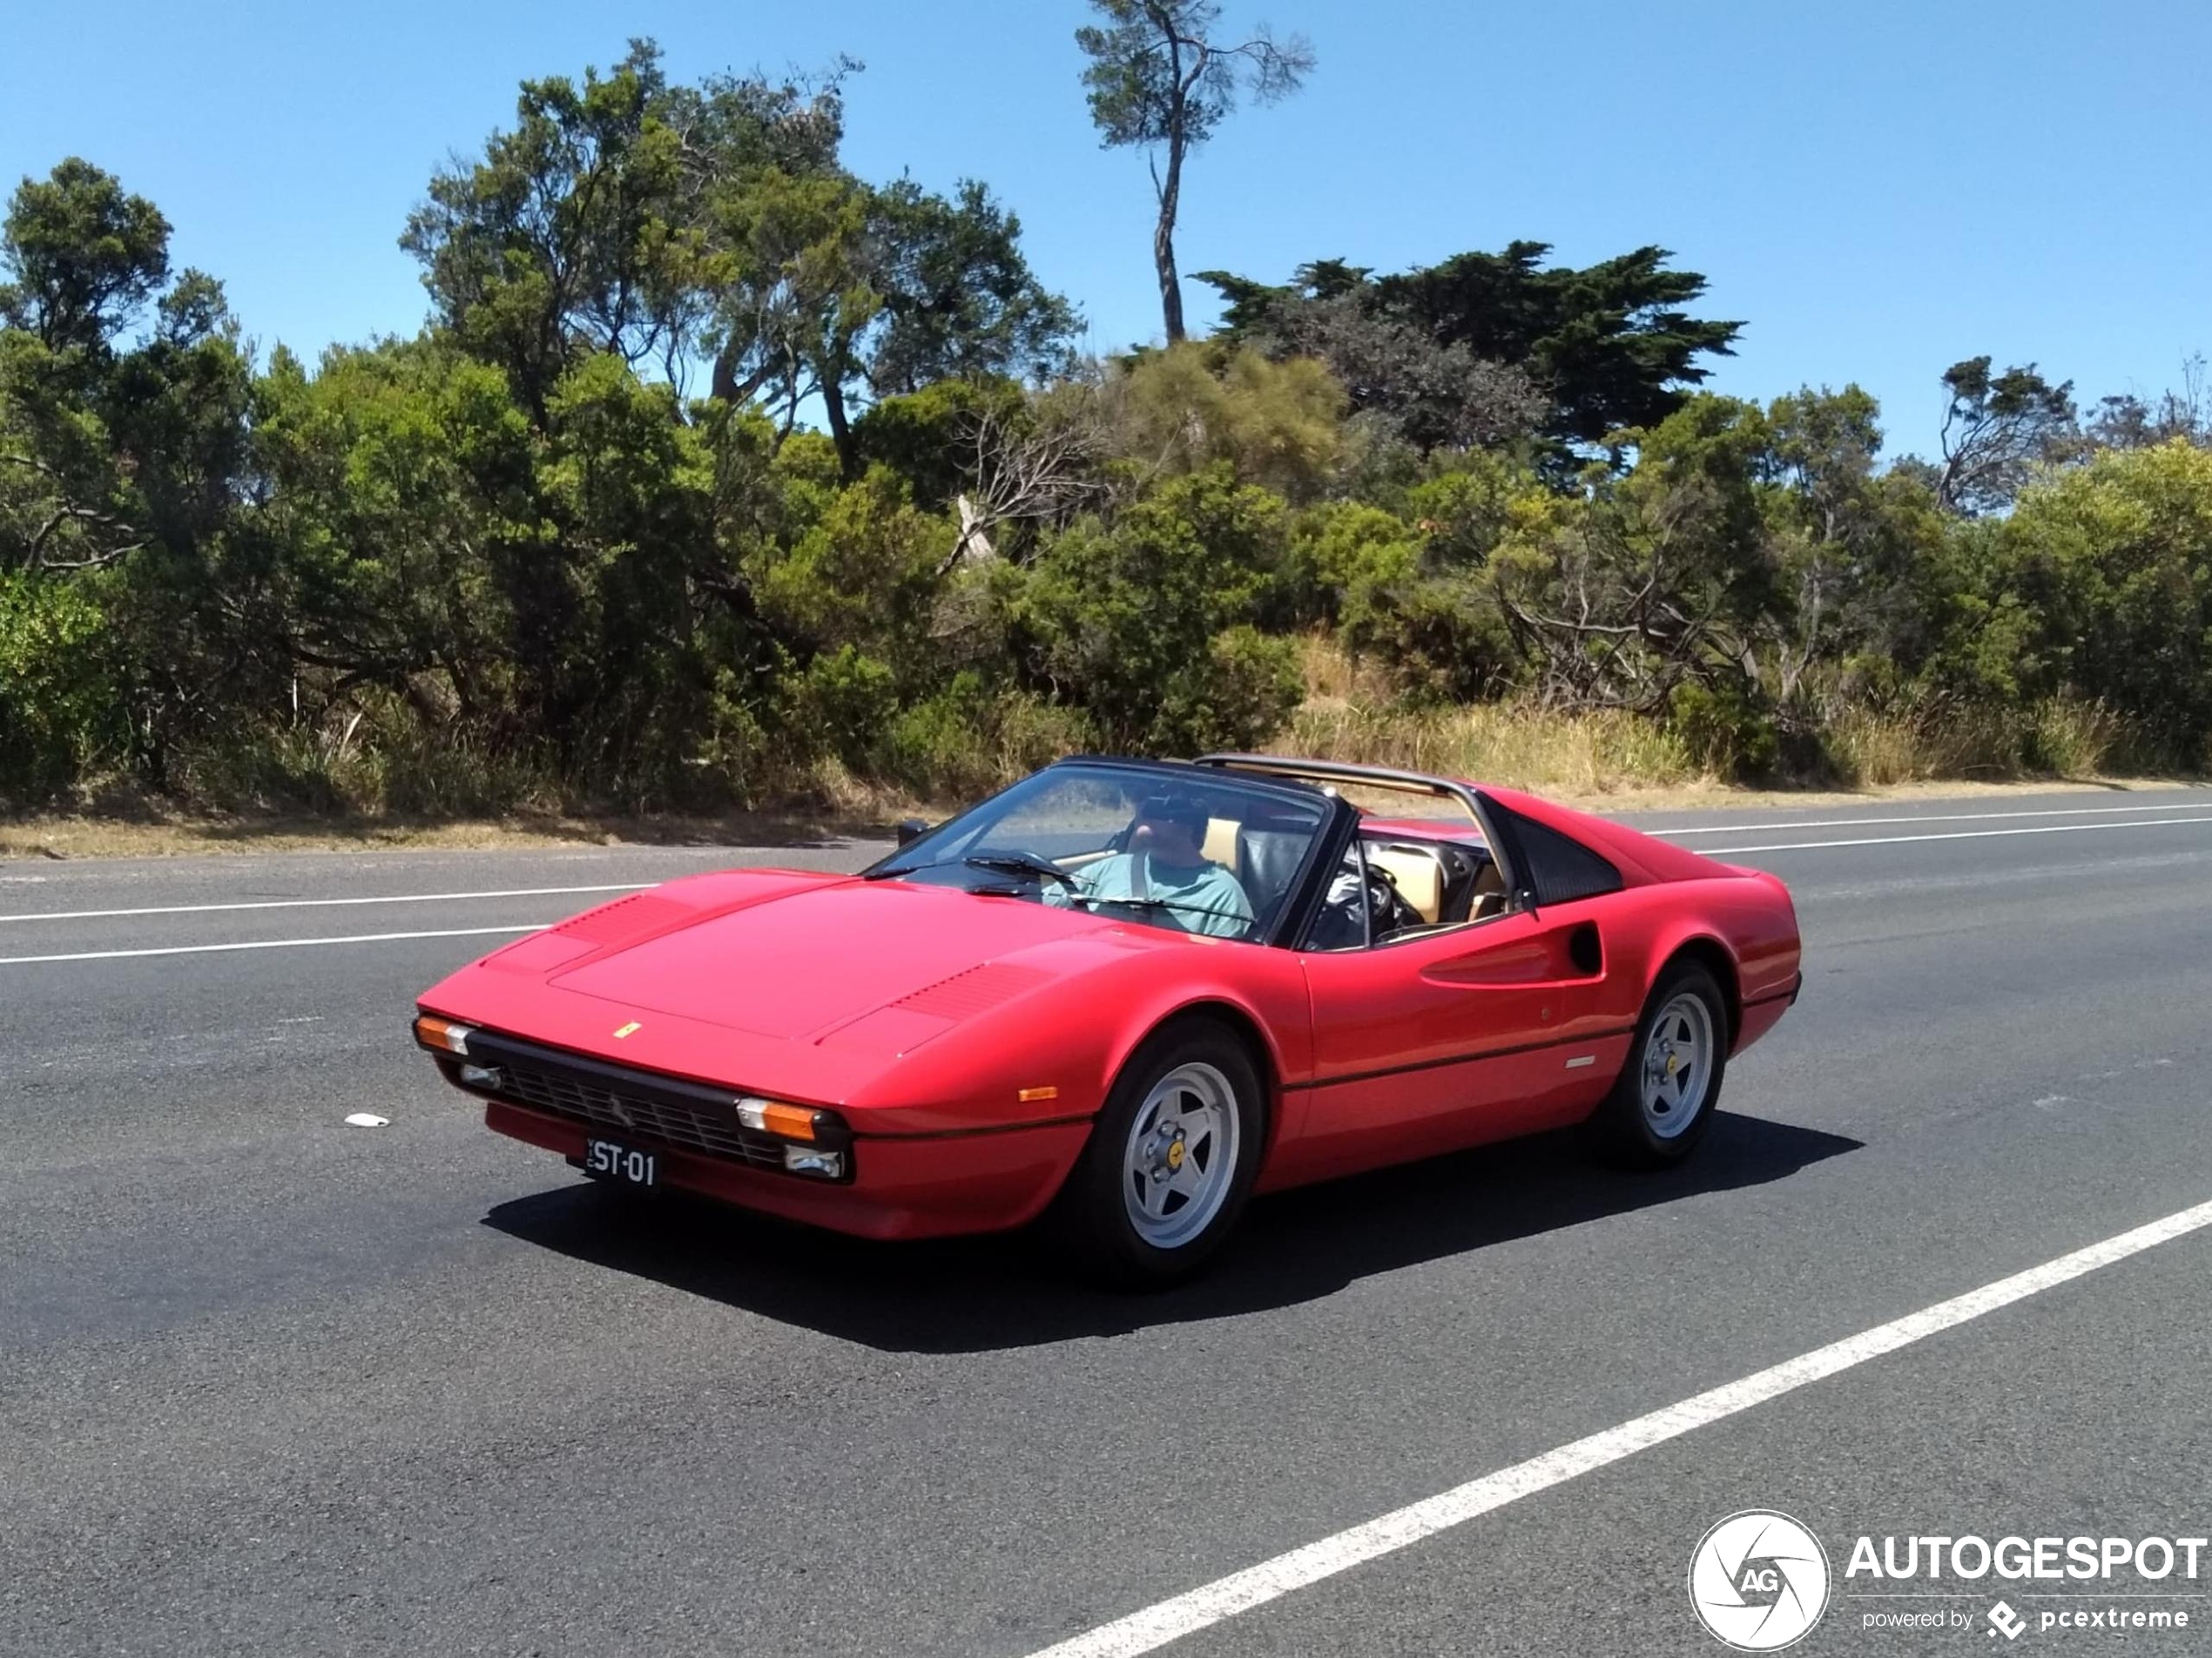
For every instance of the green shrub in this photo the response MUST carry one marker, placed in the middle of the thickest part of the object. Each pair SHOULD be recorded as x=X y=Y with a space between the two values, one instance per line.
x=1146 y=623
x=1724 y=731
x=60 y=710
x=971 y=738
x=840 y=704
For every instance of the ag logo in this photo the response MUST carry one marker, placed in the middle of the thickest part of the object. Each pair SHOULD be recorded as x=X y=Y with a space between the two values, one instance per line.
x=1759 y=1580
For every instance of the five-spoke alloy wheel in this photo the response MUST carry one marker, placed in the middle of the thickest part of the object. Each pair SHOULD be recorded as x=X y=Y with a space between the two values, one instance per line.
x=1660 y=1107
x=1180 y=1155
x=1678 y=1057
x=1171 y=1160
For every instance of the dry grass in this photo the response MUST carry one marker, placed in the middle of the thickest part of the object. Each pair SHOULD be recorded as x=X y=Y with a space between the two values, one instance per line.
x=1589 y=754
x=2059 y=738
x=1350 y=715
x=1600 y=760
x=60 y=836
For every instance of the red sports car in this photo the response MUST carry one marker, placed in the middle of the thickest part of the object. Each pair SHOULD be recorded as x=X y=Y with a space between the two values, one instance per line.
x=1126 y=995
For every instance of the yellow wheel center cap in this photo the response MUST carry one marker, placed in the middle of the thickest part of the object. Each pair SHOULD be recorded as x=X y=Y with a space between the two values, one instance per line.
x=1175 y=1155
x=1671 y=1063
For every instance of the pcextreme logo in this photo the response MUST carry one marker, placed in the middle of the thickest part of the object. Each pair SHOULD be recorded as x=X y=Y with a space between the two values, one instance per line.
x=1758 y=1580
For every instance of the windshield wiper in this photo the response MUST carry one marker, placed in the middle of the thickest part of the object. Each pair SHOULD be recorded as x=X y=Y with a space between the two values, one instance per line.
x=1021 y=863
x=1009 y=863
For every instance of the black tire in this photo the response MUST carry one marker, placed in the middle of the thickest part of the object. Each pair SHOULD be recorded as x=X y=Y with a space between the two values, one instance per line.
x=1619 y=1131
x=1090 y=1218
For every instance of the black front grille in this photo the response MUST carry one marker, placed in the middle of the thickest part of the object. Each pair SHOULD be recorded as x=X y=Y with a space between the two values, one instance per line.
x=621 y=1113
x=631 y=1105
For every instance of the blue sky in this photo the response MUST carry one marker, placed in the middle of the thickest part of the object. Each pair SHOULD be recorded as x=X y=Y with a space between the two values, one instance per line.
x=1877 y=189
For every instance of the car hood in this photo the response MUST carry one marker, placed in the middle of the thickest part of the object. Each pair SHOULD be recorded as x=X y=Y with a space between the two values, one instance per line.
x=812 y=957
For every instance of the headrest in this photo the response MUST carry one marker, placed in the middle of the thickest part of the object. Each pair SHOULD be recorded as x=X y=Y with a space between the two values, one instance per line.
x=1221 y=845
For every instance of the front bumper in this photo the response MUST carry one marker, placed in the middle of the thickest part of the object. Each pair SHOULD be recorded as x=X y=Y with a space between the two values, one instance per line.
x=893 y=1183
x=899 y=1188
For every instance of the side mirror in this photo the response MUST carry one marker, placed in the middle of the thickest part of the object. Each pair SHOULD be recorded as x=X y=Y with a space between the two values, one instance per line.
x=912 y=829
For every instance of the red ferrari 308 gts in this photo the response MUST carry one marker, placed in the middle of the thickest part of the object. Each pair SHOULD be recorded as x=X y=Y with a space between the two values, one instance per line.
x=1126 y=995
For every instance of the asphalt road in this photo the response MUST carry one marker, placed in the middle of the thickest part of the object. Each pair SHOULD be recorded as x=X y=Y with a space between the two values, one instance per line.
x=272 y=1384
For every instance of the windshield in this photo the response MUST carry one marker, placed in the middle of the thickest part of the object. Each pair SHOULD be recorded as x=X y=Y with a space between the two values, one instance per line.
x=1188 y=853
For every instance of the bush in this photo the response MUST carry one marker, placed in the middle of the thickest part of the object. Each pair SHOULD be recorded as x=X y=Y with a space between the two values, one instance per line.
x=60 y=710
x=1147 y=624
x=840 y=706
x=928 y=437
x=1724 y=731
x=971 y=738
x=1250 y=684
x=1192 y=407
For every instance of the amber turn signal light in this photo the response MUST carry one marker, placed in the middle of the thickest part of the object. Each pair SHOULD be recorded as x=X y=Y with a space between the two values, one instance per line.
x=791 y=1121
x=442 y=1035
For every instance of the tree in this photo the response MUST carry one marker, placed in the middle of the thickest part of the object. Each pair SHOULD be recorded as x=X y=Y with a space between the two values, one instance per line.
x=1433 y=394
x=1147 y=623
x=83 y=258
x=959 y=300
x=1651 y=581
x=564 y=238
x=1277 y=424
x=1996 y=429
x=1850 y=548
x=1160 y=78
x=2128 y=423
x=1611 y=347
x=107 y=447
x=826 y=288
x=2114 y=559
x=668 y=225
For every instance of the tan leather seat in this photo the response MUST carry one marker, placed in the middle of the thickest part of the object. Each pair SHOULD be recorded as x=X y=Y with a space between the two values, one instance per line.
x=1223 y=845
x=1417 y=874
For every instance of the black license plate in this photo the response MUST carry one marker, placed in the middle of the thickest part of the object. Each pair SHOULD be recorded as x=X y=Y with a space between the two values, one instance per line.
x=608 y=1161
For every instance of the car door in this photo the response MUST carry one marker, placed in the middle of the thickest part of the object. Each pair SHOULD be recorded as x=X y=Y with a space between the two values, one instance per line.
x=1453 y=1036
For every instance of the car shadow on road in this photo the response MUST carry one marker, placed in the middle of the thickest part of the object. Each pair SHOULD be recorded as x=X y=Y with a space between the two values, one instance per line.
x=973 y=1295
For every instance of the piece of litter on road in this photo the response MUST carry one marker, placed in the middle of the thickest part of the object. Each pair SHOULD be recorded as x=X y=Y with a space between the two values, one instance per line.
x=367 y=1120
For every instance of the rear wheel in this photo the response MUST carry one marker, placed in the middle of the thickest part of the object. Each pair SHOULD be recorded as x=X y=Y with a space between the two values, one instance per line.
x=1171 y=1160
x=1661 y=1106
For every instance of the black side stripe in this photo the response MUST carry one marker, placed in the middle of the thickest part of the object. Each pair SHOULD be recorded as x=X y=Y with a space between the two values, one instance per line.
x=972 y=1132
x=1464 y=1059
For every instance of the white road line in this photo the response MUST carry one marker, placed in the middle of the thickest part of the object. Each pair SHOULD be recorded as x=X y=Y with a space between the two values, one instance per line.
x=270 y=944
x=1155 y=1626
x=1952 y=817
x=323 y=903
x=1955 y=834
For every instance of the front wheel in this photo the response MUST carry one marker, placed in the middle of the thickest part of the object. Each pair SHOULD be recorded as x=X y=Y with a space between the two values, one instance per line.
x=1661 y=1106
x=1171 y=1160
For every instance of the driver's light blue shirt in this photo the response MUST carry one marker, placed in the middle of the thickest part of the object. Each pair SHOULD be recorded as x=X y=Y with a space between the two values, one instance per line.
x=1204 y=898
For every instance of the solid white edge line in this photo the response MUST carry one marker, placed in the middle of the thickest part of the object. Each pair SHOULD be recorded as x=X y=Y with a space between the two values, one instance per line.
x=1907 y=823
x=270 y=944
x=1953 y=834
x=1224 y=1597
x=324 y=903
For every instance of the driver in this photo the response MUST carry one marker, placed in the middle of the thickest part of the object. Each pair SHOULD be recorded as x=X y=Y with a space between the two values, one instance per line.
x=1166 y=865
